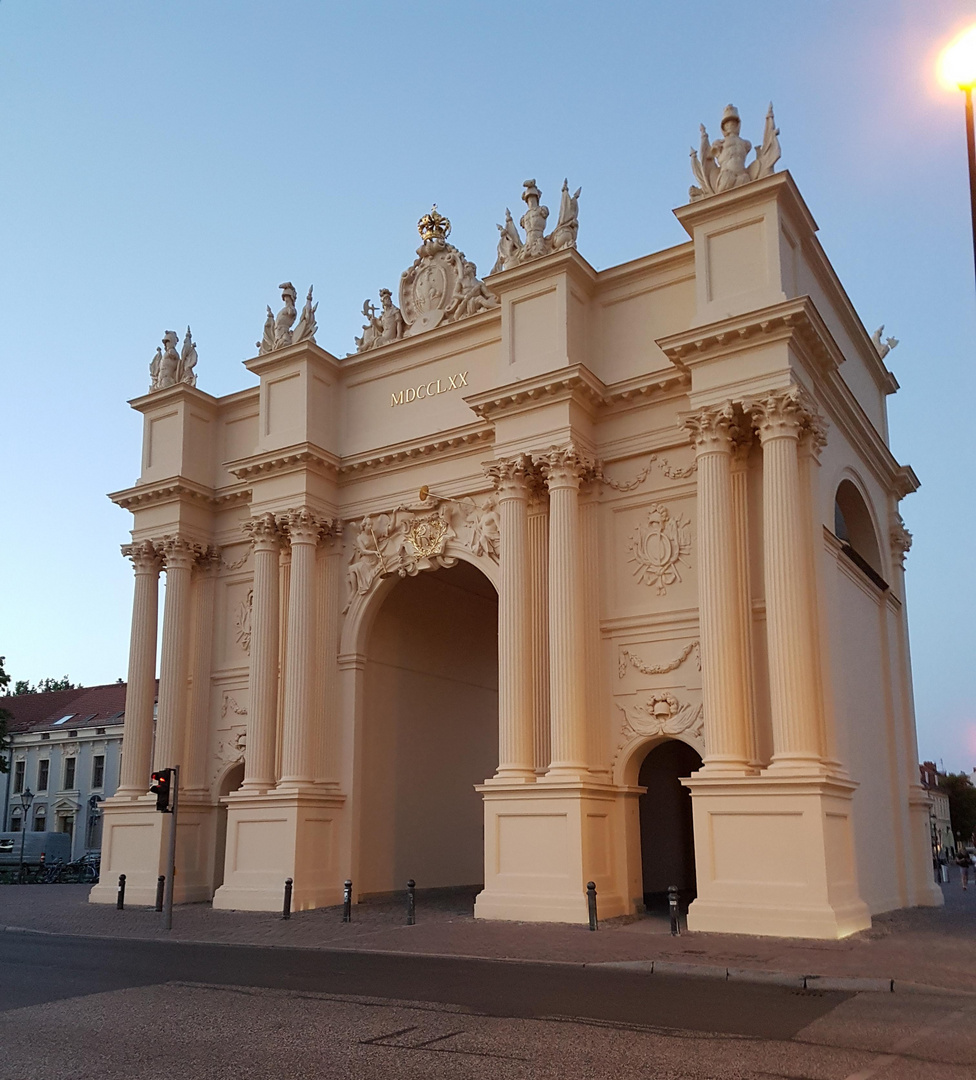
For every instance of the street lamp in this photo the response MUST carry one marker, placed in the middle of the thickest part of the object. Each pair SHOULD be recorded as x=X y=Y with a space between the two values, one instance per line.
x=26 y=798
x=957 y=68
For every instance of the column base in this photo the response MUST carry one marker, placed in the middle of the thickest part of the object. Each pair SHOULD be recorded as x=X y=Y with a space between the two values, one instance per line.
x=275 y=836
x=543 y=843
x=133 y=835
x=774 y=856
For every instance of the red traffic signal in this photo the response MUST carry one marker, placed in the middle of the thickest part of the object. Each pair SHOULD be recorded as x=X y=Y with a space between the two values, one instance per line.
x=161 y=787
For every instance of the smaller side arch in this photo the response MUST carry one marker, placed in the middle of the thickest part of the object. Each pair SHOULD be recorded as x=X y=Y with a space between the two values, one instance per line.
x=855 y=525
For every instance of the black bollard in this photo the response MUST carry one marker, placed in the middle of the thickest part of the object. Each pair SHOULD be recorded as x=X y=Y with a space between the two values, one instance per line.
x=120 y=900
x=160 y=889
x=673 y=905
x=591 y=903
x=411 y=902
x=347 y=902
x=286 y=906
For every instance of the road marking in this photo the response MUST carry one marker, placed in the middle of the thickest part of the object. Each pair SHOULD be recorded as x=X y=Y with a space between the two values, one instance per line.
x=900 y=1047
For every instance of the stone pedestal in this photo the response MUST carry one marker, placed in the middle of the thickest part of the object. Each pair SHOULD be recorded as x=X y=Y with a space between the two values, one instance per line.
x=543 y=843
x=276 y=836
x=775 y=857
x=134 y=834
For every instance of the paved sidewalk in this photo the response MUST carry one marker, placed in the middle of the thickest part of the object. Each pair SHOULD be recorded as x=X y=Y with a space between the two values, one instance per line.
x=920 y=946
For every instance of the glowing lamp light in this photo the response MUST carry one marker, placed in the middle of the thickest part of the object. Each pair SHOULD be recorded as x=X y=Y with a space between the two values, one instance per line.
x=957 y=64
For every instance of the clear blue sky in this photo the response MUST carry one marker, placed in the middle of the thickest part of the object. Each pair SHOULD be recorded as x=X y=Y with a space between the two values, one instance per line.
x=170 y=163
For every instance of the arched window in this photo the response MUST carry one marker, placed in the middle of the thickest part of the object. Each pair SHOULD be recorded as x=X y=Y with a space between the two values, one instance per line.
x=855 y=530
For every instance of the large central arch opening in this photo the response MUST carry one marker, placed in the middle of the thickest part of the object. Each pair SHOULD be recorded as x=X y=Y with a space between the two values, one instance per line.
x=430 y=732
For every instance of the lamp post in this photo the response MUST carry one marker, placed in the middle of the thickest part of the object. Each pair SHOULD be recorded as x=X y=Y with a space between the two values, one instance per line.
x=957 y=68
x=26 y=798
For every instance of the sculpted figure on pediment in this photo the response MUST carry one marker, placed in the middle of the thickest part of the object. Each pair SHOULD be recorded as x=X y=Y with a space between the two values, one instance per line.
x=278 y=333
x=512 y=250
x=169 y=367
x=723 y=163
x=883 y=347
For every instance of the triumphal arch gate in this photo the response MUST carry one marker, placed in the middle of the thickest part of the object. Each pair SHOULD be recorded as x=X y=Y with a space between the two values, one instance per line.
x=561 y=576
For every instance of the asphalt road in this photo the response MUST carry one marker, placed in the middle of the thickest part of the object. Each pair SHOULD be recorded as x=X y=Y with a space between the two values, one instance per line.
x=83 y=1008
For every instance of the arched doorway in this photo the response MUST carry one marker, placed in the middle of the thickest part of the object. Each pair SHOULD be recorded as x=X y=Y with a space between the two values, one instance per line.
x=430 y=732
x=666 y=830
x=231 y=781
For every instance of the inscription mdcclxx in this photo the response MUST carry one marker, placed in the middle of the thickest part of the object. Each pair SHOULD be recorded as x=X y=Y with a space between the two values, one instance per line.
x=431 y=389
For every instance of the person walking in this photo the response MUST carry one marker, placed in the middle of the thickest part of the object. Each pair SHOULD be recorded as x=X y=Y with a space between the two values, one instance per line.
x=964 y=862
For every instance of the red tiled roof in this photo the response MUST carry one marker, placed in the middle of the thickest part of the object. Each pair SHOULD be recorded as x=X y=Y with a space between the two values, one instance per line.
x=37 y=712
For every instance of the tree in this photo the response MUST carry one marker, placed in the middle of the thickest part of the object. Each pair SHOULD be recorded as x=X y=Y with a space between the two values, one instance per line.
x=5 y=715
x=962 y=804
x=45 y=686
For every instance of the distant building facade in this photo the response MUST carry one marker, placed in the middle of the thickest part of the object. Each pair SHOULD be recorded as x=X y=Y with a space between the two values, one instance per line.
x=481 y=603
x=66 y=747
x=943 y=838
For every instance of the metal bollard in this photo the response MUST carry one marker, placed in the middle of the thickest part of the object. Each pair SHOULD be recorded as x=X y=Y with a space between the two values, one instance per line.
x=347 y=902
x=411 y=902
x=673 y=905
x=286 y=906
x=120 y=900
x=160 y=889
x=591 y=903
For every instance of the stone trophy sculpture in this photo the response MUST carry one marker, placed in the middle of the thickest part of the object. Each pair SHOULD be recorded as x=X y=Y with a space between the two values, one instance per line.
x=169 y=367
x=440 y=287
x=278 y=333
x=723 y=163
x=513 y=250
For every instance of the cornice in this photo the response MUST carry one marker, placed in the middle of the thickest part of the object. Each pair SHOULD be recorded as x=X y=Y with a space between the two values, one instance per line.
x=575 y=381
x=567 y=261
x=285 y=459
x=180 y=392
x=177 y=490
x=643 y=386
x=397 y=453
x=262 y=364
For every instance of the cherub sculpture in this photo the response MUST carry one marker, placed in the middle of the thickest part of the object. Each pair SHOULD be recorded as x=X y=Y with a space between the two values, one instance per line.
x=883 y=347
x=723 y=163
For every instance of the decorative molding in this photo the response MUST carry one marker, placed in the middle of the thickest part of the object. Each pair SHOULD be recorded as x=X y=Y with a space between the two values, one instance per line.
x=576 y=381
x=628 y=659
x=242 y=626
x=672 y=472
x=287 y=460
x=789 y=411
x=395 y=455
x=230 y=705
x=146 y=559
x=659 y=547
x=900 y=538
x=659 y=712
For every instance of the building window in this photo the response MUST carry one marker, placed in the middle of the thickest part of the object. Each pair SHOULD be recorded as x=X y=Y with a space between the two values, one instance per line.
x=66 y=824
x=15 y=823
x=69 y=773
x=43 y=772
x=40 y=819
x=98 y=771
x=19 y=767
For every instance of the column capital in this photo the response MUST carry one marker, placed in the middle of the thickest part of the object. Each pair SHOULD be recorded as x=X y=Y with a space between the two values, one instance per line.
x=178 y=553
x=263 y=532
x=513 y=478
x=564 y=466
x=145 y=558
x=301 y=526
x=208 y=560
x=788 y=413
x=714 y=429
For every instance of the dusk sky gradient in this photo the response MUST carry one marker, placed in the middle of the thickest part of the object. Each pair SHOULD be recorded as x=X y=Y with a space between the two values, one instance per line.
x=171 y=163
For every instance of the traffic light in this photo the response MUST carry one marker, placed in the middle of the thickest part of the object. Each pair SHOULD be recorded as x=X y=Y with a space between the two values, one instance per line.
x=161 y=787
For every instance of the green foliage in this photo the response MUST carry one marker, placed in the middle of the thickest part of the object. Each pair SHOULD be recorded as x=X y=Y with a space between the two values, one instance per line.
x=962 y=804
x=45 y=686
x=5 y=715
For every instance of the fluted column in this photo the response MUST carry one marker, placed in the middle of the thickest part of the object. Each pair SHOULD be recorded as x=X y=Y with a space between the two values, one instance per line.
x=515 y=735
x=297 y=764
x=194 y=775
x=262 y=718
x=781 y=418
x=140 y=694
x=759 y=751
x=723 y=666
x=563 y=470
x=539 y=622
x=178 y=556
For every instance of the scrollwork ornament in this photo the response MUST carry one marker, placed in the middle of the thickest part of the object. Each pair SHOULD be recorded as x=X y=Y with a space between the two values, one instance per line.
x=901 y=539
x=659 y=547
x=242 y=622
x=661 y=713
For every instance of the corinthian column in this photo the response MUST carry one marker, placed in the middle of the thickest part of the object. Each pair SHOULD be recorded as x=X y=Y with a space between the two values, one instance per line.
x=781 y=418
x=194 y=775
x=263 y=682
x=297 y=764
x=140 y=694
x=722 y=653
x=178 y=556
x=563 y=470
x=515 y=734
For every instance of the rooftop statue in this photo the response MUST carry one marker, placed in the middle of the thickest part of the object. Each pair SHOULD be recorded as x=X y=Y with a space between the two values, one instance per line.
x=440 y=287
x=723 y=163
x=512 y=250
x=883 y=347
x=169 y=367
x=278 y=333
